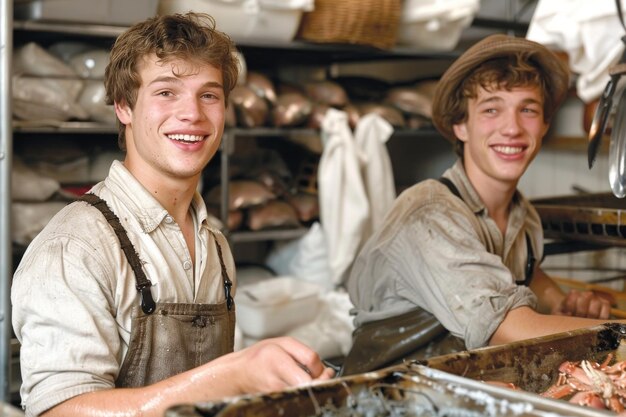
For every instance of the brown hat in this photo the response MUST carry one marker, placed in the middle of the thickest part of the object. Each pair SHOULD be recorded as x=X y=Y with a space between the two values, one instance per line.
x=494 y=46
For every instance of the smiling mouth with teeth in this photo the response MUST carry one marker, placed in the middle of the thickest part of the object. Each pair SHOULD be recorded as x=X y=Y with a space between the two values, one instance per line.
x=509 y=150
x=186 y=138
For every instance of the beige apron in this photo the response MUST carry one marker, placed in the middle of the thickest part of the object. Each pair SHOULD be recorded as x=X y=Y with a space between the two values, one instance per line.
x=169 y=338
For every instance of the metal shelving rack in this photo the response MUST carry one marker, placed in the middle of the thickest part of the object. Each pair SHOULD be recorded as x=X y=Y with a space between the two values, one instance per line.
x=227 y=147
x=301 y=52
x=287 y=53
x=6 y=139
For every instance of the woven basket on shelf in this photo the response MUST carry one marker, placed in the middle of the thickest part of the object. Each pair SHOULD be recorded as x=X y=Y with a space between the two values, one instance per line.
x=366 y=22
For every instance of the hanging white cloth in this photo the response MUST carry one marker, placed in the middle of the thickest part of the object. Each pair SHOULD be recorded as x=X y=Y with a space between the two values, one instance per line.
x=371 y=135
x=305 y=258
x=589 y=31
x=356 y=188
x=344 y=207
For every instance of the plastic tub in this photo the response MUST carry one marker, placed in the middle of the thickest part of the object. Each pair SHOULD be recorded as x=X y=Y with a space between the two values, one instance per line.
x=435 y=24
x=274 y=306
x=251 y=20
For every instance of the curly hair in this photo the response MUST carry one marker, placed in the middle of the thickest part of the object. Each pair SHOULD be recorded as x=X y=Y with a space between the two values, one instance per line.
x=190 y=36
x=509 y=72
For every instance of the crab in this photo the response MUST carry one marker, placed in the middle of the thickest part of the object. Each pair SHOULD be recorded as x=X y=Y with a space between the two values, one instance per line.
x=597 y=385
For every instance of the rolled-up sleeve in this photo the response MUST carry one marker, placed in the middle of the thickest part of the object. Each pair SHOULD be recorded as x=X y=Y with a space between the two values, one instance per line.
x=74 y=292
x=63 y=319
x=451 y=274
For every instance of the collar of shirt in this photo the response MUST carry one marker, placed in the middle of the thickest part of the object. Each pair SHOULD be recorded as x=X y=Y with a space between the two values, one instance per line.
x=145 y=208
x=458 y=176
x=518 y=214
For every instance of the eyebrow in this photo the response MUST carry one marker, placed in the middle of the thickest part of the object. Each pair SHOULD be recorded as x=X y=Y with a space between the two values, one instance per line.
x=489 y=99
x=495 y=98
x=176 y=80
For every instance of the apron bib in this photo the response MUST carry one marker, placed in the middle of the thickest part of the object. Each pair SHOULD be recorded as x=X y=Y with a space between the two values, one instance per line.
x=175 y=338
x=169 y=338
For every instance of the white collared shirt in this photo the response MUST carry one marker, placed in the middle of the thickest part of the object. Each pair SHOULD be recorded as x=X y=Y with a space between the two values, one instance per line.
x=73 y=291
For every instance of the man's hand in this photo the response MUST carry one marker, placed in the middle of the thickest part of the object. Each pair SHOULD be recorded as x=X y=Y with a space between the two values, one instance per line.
x=588 y=304
x=278 y=363
x=269 y=365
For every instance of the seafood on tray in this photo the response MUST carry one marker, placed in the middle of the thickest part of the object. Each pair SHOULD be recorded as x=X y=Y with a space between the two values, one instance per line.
x=593 y=384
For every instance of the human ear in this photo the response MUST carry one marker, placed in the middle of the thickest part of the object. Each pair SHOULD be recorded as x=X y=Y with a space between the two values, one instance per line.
x=460 y=131
x=123 y=111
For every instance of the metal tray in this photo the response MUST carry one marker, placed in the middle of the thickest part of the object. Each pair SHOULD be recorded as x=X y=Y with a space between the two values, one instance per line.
x=407 y=390
x=445 y=385
x=532 y=364
x=598 y=218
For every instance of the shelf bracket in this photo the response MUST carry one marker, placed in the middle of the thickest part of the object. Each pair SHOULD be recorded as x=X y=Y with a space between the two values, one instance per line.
x=6 y=140
x=227 y=148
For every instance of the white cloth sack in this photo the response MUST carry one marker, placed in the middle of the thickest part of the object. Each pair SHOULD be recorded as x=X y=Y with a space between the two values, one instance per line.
x=371 y=135
x=29 y=185
x=305 y=258
x=589 y=31
x=356 y=189
x=344 y=206
x=44 y=87
x=356 y=185
x=330 y=332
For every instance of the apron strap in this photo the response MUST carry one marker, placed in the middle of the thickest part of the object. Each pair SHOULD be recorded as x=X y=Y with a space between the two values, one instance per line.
x=530 y=261
x=226 y=280
x=142 y=283
x=446 y=181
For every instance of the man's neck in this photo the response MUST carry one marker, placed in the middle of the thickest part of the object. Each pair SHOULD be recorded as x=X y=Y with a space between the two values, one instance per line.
x=174 y=197
x=174 y=194
x=496 y=195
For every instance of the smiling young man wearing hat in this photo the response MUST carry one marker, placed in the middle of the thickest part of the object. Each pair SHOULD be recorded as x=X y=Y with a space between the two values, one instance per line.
x=454 y=266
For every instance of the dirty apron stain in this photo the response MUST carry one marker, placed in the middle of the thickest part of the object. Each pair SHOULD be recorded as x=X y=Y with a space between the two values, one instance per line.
x=169 y=338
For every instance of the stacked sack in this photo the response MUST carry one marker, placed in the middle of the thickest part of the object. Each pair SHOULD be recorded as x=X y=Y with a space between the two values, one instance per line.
x=262 y=102
x=263 y=193
x=61 y=83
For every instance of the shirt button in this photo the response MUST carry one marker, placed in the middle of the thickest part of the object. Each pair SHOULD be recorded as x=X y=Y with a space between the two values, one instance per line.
x=168 y=219
x=186 y=265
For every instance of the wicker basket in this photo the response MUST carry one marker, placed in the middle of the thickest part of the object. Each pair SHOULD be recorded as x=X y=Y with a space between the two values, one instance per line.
x=366 y=22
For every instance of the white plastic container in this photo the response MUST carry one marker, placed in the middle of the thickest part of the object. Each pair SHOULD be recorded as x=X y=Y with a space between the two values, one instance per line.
x=435 y=24
x=274 y=306
x=247 y=20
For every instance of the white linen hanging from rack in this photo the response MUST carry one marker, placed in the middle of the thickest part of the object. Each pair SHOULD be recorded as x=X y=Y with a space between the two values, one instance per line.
x=589 y=31
x=355 y=183
x=371 y=135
